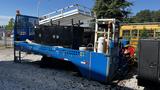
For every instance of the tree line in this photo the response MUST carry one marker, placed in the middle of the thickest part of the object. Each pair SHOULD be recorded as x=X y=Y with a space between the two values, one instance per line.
x=9 y=26
x=145 y=16
x=120 y=9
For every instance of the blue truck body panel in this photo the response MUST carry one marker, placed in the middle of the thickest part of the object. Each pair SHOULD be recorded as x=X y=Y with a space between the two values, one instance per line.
x=24 y=27
x=91 y=65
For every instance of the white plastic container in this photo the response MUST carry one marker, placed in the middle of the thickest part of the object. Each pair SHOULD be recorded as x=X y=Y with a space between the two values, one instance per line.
x=101 y=45
x=82 y=48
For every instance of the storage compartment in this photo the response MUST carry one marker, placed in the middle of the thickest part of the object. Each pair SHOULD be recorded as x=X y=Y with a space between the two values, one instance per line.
x=148 y=62
x=66 y=36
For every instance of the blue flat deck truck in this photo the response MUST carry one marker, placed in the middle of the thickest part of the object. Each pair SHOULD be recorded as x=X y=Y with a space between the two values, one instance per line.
x=91 y=64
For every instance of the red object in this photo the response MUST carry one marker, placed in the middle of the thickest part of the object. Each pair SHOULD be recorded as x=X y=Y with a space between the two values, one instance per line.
x=131 y=50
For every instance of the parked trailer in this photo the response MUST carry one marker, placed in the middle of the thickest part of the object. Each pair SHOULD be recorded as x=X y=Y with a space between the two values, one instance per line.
x=97 y=66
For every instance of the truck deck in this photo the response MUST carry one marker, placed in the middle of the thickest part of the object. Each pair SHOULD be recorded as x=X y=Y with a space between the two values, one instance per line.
x=91 y=65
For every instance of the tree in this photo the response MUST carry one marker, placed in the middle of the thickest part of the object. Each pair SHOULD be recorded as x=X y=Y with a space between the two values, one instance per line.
x=146 y=16
x=112 y=9
x=156 y=16
x=144 y=34
x=143 y=16
x=10 y=25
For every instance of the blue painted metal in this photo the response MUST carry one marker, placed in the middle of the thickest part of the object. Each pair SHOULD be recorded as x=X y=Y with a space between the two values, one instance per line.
x=111 y=44
x=124 y=42
x=24 y=27
x=99 y=66
x=91 y=65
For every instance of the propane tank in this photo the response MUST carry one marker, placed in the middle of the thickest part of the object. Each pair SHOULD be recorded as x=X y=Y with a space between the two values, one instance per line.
x=101 y=45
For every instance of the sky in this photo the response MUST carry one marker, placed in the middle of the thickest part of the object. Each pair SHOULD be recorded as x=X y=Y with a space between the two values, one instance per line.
x=29 y=7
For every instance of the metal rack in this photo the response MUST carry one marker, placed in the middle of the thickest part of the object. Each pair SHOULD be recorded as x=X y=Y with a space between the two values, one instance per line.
x=76 y=12
x=105 y=31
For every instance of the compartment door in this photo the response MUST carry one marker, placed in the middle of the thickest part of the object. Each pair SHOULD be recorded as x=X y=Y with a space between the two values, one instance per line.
x=148 y=59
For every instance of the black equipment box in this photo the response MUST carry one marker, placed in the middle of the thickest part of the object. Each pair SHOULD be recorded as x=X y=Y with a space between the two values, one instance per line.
x=148 y=62
x=66 y=36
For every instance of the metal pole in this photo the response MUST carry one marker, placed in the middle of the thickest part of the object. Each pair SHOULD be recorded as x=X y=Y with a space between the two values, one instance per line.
x=96 y=36
x=38 y=4
x=15 y=58
x=5 y=39
x=79 y=23
x=19 y=55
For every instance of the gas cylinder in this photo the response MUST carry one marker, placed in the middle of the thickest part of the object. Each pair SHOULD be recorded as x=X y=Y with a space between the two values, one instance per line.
x=101 y=45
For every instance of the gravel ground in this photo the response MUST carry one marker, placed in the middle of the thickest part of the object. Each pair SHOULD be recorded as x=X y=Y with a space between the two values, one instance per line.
x=29 y=76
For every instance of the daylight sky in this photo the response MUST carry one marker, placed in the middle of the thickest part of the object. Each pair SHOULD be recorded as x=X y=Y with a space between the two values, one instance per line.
x=29 y=7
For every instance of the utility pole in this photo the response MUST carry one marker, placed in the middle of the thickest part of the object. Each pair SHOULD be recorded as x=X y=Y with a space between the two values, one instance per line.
x=38 y=4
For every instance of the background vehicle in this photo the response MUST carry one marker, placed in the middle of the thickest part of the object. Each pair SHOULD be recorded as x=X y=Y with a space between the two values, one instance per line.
x=134 y=31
